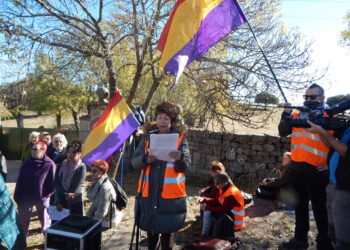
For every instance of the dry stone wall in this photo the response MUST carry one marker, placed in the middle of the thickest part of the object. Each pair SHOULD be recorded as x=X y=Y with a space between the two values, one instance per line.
x=246 y=157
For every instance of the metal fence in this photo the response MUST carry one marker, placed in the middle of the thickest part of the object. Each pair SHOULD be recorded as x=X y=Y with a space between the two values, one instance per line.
x=14 y=140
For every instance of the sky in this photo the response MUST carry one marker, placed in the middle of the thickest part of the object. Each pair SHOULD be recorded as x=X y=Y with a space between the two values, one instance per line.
x=322 y=21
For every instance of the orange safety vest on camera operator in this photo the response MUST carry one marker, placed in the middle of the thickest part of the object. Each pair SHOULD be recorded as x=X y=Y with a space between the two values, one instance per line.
x=308 y=147
x=174 y=182
x=237 y=211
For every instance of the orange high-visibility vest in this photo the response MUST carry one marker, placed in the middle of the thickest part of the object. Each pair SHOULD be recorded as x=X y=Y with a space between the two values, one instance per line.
x=308 y=147
x=237 y=211
x=174 y=182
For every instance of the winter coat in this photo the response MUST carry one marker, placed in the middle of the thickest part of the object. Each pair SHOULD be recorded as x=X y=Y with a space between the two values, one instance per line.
x=157 y=214
x=3 y=166
x=101 y=193
x=10 y=229
x=60 y=158
x=35 y=181
x=75 y=187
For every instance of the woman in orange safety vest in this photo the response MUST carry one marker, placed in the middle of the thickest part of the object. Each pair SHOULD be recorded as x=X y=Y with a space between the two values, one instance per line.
x=161 y=203
x=227 y=211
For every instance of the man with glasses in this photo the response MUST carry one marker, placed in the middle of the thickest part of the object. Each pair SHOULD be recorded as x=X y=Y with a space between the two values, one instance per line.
x=310 y=172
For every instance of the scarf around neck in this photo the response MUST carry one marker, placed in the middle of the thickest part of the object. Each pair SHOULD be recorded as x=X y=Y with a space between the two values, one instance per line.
x=67 y=173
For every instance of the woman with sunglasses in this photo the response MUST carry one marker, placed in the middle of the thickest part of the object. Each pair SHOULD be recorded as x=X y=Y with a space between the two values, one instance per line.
x=101 y=193
x=227 y=211
x=69 y=181
x=34 y=186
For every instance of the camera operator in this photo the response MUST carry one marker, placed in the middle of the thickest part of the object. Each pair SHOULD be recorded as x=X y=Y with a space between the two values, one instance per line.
x=309 y=158
x=338 y=189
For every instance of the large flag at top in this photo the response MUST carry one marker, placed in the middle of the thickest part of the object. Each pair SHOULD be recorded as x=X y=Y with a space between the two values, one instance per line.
x=114 y=126
x=193 y=27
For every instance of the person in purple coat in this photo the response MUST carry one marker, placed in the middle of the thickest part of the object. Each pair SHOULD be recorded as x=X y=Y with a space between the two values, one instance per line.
x=34 y=186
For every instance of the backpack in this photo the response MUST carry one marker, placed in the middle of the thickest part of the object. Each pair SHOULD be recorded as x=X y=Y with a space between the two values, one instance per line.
x=122 y=198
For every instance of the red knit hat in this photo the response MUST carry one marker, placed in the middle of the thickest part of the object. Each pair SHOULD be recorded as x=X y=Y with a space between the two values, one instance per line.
x=42 y=145
x=101 y=165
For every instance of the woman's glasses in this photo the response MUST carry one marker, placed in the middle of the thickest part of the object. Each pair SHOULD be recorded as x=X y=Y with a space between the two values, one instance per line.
x=311 y=97
x=36 y=149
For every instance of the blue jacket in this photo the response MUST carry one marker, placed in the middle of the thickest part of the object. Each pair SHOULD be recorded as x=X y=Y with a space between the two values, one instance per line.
x=10 y=229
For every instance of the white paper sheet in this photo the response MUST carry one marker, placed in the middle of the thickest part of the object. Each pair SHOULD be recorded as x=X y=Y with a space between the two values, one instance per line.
x=162 y=144
x=57 y=215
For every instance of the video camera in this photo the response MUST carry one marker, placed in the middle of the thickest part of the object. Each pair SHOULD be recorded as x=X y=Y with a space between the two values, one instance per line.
x=316 y=111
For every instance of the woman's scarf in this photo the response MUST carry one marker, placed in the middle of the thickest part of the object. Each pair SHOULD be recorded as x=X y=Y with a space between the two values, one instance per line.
x=67 y=173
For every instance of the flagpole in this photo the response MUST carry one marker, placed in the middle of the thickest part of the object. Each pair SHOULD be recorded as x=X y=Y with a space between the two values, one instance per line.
x=267 y=61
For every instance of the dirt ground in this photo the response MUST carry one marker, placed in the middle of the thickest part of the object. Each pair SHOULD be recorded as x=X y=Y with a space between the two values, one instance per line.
x=265 y=227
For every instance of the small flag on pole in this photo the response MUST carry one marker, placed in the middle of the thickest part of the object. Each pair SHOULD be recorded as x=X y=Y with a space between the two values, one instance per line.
x=193 y=27
x=114 y=126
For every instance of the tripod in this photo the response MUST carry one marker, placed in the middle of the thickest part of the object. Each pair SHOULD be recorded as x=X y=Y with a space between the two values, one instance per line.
x=136 y=226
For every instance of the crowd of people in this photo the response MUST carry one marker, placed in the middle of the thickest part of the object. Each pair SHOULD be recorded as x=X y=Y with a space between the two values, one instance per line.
x=53 y=173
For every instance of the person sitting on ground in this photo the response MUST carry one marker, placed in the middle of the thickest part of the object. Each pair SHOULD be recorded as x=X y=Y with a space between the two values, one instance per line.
x=227 y=211
x=34 y=186
x=280 y=188
x=212 y=191
x=69 y=180
x=284 y=178
x=33 y=138
x=58 y=151
x=101 y=193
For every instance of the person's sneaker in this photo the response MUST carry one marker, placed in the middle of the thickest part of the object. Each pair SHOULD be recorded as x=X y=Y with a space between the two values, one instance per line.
x=294 y=243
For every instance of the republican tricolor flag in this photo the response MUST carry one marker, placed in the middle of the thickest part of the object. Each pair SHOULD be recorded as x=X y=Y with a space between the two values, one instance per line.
x=114 y=126
x=193 y=27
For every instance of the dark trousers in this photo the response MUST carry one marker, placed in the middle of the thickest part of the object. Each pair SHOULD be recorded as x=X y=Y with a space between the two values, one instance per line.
x=223 y=226
x=311 y=188
x=166 y=241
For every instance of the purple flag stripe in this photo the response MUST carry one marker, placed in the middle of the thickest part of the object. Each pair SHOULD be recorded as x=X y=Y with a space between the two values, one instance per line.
x=113 y=141
x=217 y=24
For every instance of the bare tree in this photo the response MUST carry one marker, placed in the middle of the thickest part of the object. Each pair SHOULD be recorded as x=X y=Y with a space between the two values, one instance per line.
x=218 y=87
x=74 y=25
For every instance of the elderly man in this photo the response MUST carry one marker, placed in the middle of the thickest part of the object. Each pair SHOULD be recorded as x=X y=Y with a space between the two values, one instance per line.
x=58 y=151
x=309 y=158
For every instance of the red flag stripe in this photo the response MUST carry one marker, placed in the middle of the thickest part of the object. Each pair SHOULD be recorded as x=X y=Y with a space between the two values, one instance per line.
x=166 y=29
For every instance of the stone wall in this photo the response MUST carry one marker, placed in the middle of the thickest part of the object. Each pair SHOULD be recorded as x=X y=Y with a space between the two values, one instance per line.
x=246 y=157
